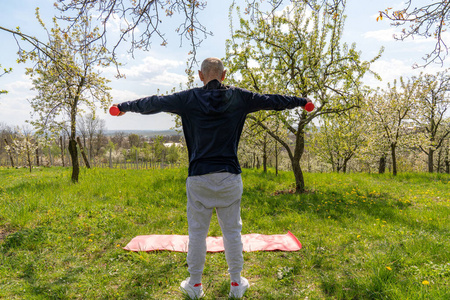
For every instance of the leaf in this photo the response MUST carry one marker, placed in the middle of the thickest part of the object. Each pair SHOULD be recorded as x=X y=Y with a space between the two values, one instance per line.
x=380 y=17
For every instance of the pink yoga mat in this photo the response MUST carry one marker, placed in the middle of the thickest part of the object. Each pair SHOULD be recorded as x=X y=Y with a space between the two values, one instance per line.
x=179 y=243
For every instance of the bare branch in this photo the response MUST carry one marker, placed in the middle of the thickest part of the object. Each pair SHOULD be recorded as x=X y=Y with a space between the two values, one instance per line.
x=143 y=20
x=427 y=21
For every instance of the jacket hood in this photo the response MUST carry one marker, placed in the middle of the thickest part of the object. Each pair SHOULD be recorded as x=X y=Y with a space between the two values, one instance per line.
x=214 y=98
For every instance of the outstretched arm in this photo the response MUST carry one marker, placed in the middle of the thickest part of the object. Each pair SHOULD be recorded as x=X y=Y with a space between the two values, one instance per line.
x=258 y=102
x=154 y=104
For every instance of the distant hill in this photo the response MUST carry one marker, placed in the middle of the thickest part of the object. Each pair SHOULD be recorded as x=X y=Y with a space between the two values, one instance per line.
x=146 y=133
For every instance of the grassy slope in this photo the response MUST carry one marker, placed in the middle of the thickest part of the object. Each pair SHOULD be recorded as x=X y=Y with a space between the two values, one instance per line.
x=364 y=236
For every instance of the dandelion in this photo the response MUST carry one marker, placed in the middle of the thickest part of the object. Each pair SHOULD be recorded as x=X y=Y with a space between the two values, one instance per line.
x=358 y=236
x=389 y=268
x=69 y=237
x=425 y=282
x=90 y=240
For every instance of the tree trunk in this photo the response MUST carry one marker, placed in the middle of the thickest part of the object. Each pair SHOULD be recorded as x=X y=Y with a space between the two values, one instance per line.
x=62 y=145
x=430 y=160
x=339 y=164
x=137 y=161
x=394 y=160
x=37 y=155
x=447 y=161
x=439 y=161
x=298 y=153
x=265 y=156
x=254 y=161
x=294 y=157
x=110 y=158
x=86 y=161
x=346 y=160
x=30 y=165
x=73 y=131
x=50 y=159
x=382 y=165
x=276 y=158
x=298 y=174
x=74 y=155
x=10 y=154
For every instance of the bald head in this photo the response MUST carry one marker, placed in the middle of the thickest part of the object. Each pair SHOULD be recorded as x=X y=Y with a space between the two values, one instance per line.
x=212 y=68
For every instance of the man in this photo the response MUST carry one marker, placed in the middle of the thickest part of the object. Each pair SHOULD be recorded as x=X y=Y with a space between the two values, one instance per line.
x=213 y=117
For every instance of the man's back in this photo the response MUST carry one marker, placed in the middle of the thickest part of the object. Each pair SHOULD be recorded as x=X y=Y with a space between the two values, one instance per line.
x=213 y=118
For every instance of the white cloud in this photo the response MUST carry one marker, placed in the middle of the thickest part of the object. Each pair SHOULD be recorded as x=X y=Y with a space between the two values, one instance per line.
x=167 y=79
x=384 y=35
x=124 y=95
x=20 y=88
x=393 y=69
x=152 y=72
x=394 y=34
x=150 y=67
x=148 y=74
x=389 y=70
x=14 y=104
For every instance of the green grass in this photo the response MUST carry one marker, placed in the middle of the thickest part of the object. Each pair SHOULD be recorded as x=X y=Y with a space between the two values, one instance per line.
x=364 y=236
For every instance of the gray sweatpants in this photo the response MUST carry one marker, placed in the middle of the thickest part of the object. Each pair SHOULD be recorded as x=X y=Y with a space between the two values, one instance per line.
x=222 y=191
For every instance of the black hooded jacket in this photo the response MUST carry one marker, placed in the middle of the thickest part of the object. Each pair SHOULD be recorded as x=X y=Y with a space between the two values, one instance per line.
x=213 y=118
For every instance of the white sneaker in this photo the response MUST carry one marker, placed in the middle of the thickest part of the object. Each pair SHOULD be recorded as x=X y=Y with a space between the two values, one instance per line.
x=193 y=291
x=237 y=290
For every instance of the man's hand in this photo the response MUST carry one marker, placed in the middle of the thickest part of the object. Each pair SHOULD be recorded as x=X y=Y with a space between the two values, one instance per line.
x=121 y=113
x=309 y=106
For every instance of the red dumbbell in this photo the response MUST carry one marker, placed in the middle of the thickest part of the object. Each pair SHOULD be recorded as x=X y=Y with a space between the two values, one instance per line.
x=309 y=106
x=114 y=111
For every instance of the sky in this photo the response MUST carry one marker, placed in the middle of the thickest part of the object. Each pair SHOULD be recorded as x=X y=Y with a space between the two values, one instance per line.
x=162 y=68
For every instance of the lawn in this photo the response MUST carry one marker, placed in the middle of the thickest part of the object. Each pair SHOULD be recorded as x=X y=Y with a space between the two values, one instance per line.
x=364 y=236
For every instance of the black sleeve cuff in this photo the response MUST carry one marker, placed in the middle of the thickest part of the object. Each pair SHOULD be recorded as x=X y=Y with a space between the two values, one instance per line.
x=302 y=101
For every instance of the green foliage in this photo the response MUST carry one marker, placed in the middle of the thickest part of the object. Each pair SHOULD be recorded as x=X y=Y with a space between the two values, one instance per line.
x=24 y=145
x=297 y=52
x=68 y=77
x=360 y=239
x=389 y=112
x=338 y=137
x=158 y=148
x=430 y=114
x=134 y=140
x=172 y=155
x=5 y=71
